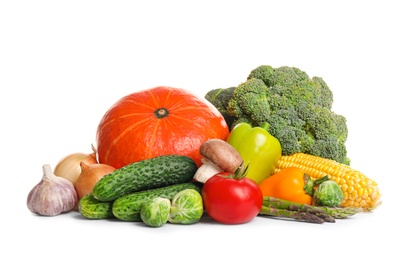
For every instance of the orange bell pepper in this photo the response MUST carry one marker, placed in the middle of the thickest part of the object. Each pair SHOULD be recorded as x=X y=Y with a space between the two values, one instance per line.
x=292 y=184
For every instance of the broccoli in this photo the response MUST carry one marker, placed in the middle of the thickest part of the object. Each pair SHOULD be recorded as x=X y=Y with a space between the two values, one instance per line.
x=284 y=76
x=247 y=101
x=220 y=98
x=297 y=107
x=295 y=84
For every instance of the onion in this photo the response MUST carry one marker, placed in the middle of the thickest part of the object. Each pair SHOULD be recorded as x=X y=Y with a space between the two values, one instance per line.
x=69 y=166
x=90 y=174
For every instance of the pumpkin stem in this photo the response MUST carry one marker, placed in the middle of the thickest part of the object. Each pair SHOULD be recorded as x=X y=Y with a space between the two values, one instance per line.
x=161 y=112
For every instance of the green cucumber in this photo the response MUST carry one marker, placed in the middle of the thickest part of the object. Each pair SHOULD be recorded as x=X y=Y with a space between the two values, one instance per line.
x=129 y=206
x=92 y=208
x=147 y=174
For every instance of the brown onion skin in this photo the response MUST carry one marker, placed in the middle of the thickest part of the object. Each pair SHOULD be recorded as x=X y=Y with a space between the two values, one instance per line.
x=90 y=174
x=69 y=166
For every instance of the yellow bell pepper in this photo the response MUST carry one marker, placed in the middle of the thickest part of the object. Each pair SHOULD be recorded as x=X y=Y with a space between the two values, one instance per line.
x=258 y=148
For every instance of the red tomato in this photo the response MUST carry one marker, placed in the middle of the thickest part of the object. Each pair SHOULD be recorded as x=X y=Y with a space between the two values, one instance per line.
x=231 y=201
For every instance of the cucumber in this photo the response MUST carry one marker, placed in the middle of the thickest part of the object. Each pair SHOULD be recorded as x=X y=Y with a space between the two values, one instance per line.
x=128 y=207
x=147 y=174
x=92 y=208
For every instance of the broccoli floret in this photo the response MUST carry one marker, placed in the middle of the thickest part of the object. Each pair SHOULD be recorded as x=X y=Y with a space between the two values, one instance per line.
x=330 y=132
x=263 y=72
x=324 y=123
x=289 y=136
x=283 y=76
x=297 y=107
x=220 y=98
x=288 y=76
x=325 y=93
x=330 y=148
x=249 y=98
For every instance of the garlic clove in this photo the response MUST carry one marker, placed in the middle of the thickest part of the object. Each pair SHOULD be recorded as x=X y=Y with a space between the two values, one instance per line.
x=53 y=195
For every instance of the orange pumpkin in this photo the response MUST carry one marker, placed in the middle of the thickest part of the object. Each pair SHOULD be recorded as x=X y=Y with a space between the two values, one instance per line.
x=157 y=121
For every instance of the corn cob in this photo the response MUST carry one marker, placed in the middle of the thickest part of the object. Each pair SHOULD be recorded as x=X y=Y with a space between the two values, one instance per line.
x=358 y=190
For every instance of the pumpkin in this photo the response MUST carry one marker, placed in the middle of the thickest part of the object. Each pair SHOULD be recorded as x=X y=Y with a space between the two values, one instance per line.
x=155 y=122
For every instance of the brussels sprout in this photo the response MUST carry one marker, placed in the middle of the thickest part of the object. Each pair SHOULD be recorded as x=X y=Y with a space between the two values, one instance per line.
x=156 y=212
x=186 y=207
x=328 y=193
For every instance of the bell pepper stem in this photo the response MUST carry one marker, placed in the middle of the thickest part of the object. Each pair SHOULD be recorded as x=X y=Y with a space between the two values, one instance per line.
x=265 y=126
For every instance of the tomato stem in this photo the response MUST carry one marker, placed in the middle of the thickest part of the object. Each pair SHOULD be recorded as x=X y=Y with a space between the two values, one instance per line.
x=240 y=172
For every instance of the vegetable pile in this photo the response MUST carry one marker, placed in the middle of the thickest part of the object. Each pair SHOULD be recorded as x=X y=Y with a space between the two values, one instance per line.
x=270 y=147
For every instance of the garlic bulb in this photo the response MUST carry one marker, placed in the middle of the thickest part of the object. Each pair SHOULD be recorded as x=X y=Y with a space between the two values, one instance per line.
x=52 y=195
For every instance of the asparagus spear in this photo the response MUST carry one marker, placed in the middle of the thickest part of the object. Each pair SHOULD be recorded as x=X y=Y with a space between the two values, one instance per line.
x=334 y=212
x=338 y=212
x=297 y=207
x=297 y=215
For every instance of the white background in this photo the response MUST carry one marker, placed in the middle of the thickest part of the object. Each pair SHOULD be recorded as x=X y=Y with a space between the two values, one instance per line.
x=64 y=63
